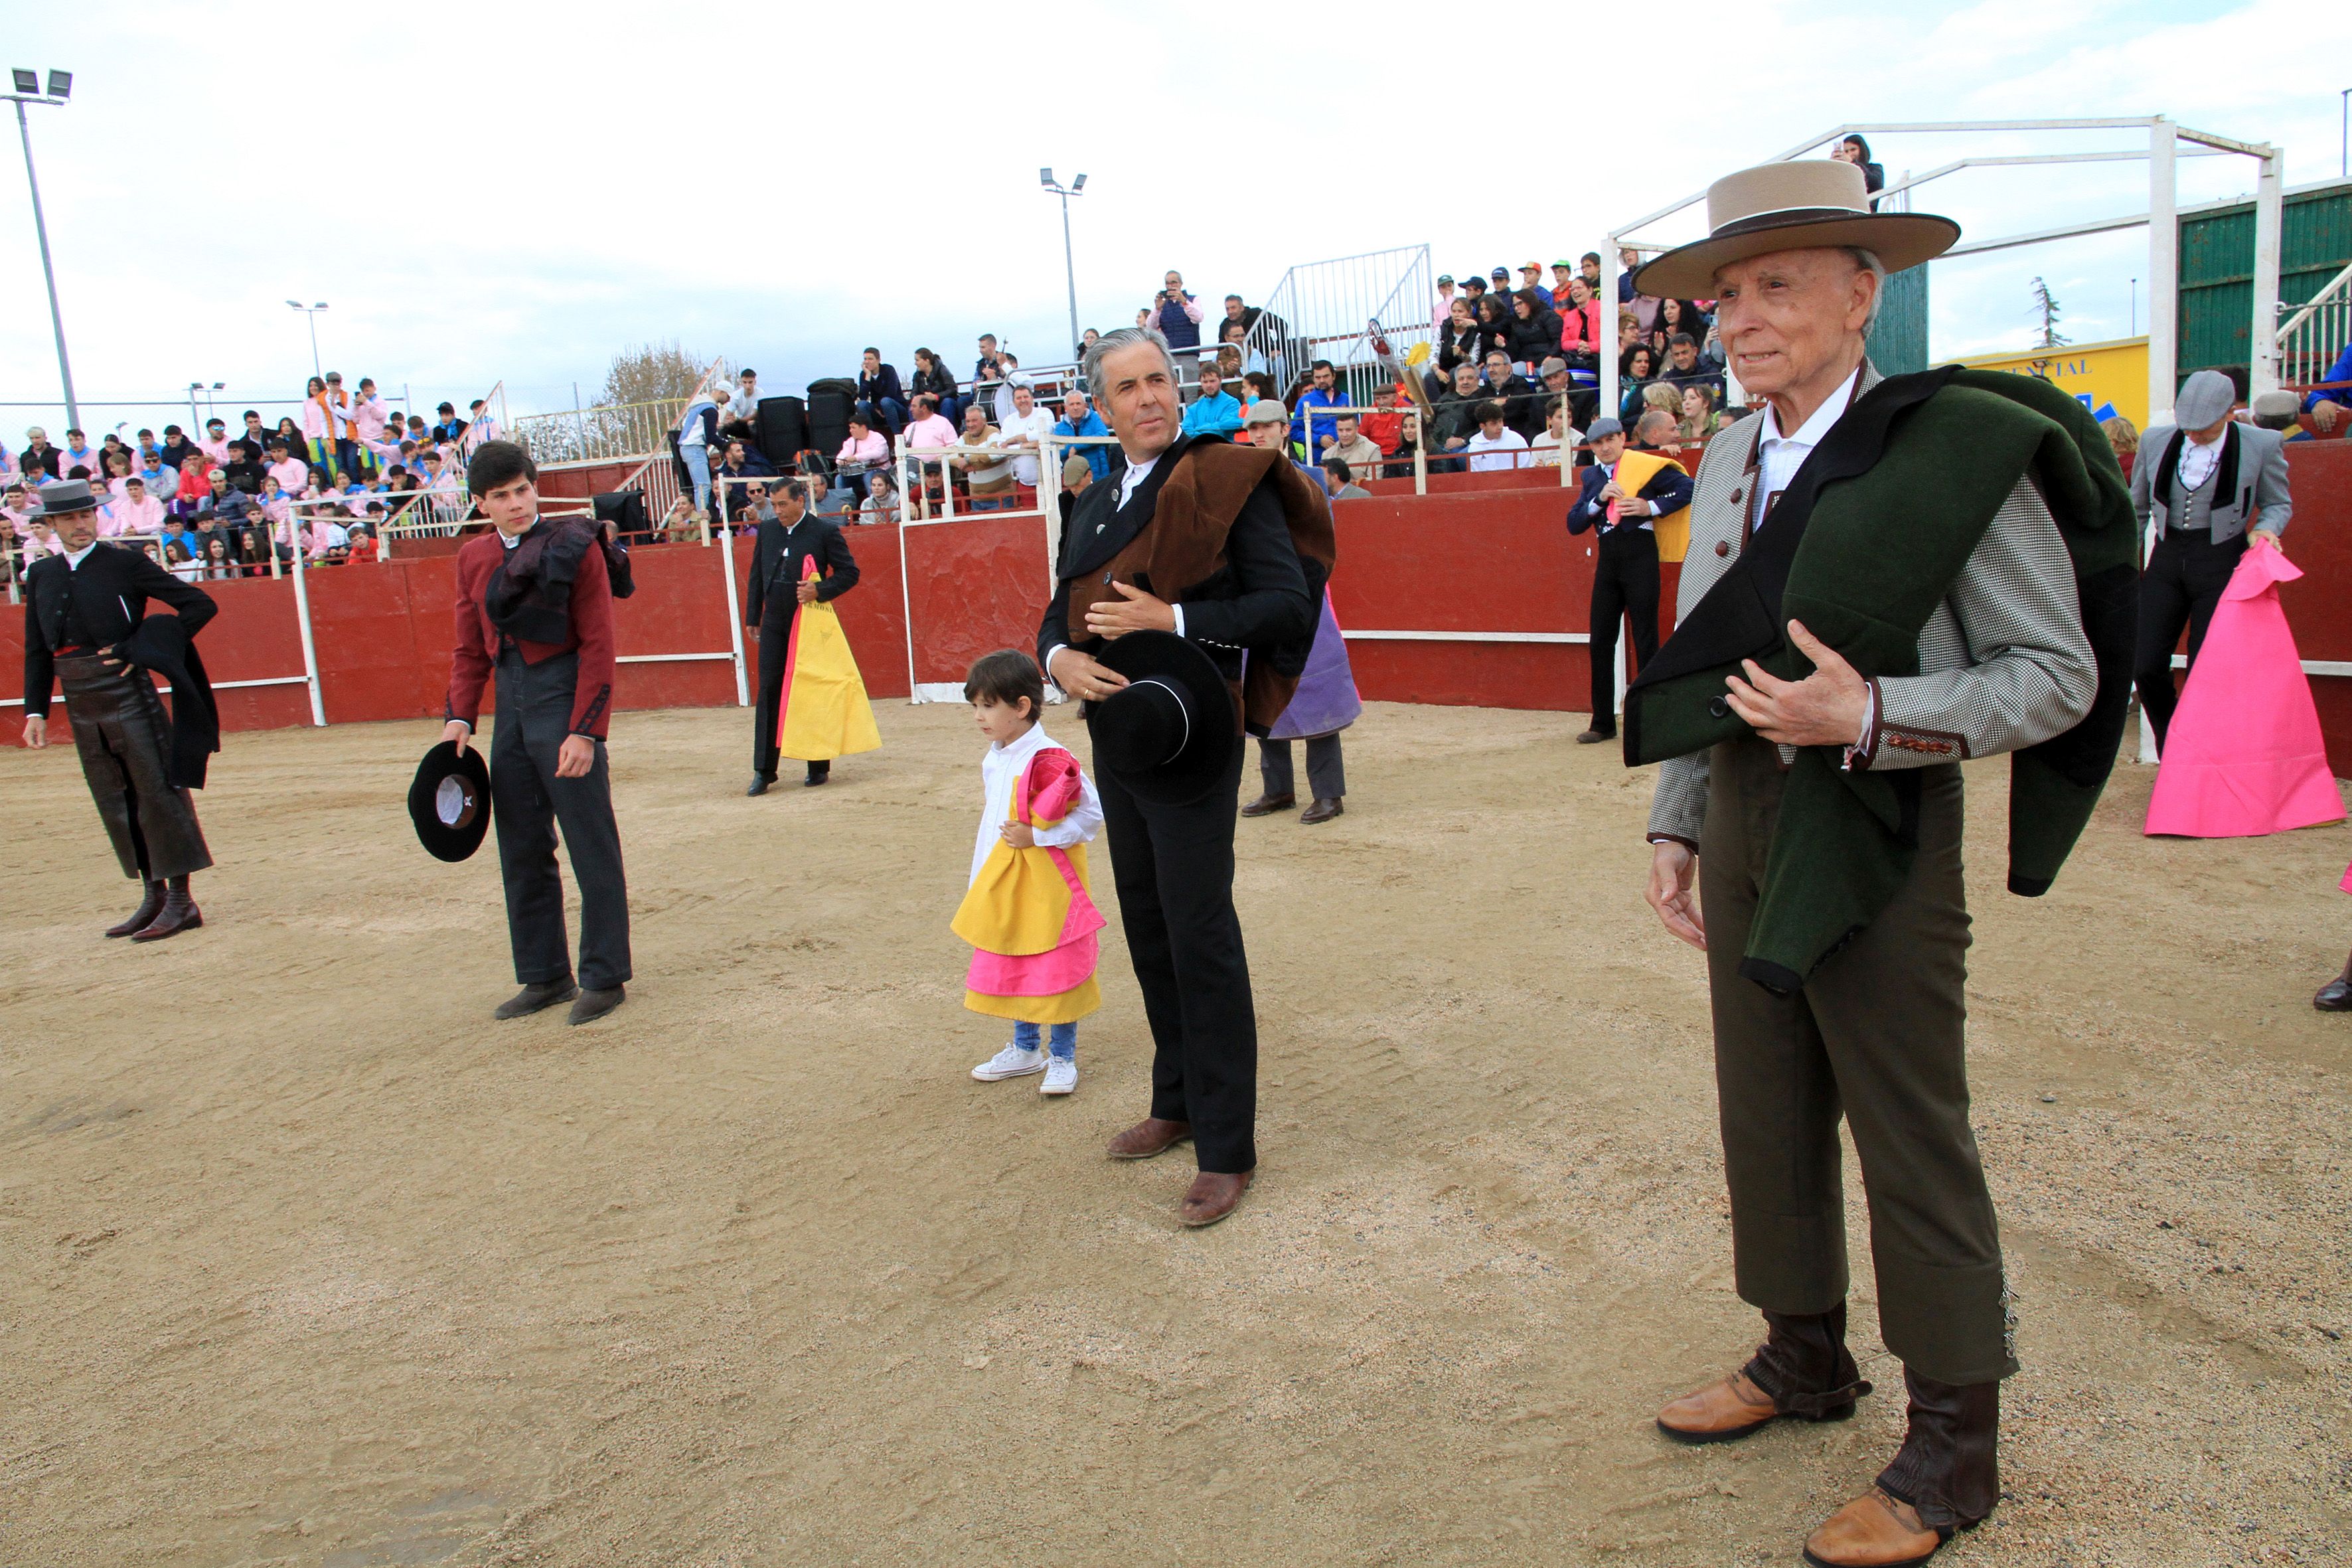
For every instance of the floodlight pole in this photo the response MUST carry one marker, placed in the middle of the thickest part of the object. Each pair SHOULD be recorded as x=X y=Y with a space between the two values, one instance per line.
x=1070 y=266
x=49 y=271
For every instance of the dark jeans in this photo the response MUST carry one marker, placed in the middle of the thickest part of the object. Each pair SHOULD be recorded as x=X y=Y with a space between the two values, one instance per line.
x=1878 y=1037
x=892 y=413
x=1625 y=584
x=2183 y=583
x=1173 y=867
x=528 y=802
x=1327 y=771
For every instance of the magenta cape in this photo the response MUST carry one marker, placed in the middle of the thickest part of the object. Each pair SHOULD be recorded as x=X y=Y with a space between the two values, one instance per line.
x=2243 y=755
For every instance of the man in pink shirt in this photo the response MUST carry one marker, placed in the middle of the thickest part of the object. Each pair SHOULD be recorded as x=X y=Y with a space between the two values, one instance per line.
x=137 y=512
x=292 y=474
x=866 y=450
x=368 y=414
x=215 y=445
x=926 y=432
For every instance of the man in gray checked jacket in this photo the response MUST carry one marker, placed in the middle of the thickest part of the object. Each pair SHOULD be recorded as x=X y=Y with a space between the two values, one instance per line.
x=1873 y=1030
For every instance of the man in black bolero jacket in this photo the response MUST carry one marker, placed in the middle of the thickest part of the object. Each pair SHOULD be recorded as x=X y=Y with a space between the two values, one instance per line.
x=790 y=536
x=86 y=625
x=1173 y=865
x=1625 y=562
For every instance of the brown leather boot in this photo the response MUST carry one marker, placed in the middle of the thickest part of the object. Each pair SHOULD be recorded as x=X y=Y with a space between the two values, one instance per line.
x=179 y=913
x=1149 y=1137
x=1213 y=1195
x=1873 y=1530
x=151 y=904
x=1802 y=1369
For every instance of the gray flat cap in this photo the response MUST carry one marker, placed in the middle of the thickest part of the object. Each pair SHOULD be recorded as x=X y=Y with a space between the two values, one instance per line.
x=2204 y=399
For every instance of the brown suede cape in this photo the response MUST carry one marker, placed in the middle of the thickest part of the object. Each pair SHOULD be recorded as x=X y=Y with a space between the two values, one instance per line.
x=1181 y=551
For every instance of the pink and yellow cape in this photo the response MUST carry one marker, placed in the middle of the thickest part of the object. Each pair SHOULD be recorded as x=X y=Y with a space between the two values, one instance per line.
x=1028 y=916
x=823 y=713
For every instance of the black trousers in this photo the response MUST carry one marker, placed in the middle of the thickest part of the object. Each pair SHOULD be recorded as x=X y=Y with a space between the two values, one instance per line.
x=1326 y=770
x=1173 y=867
x=775 y=646
x=528 y=802
x=1625 y=584
x=2183 y=583
x=124 y=739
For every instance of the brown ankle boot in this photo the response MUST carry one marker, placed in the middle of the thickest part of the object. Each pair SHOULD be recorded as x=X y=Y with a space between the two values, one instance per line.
x=151 y=904
x=179 y=913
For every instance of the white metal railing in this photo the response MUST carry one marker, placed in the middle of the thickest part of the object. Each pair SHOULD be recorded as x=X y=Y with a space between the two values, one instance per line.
x=2310 y=340
x=1337 y=310
x=610 y=434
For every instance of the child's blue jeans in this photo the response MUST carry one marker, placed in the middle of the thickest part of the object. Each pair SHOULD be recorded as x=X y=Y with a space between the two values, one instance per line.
x=1064 y=1038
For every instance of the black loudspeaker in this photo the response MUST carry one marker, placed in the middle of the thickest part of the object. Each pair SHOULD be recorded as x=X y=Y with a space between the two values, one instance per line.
x=625 y=510
x=784 y=430
x=828 y=419
x=844 y=384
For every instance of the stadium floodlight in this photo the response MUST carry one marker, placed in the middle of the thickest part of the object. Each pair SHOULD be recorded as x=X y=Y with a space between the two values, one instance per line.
x=29 y=90
x=1069 y=268
x=310 y=314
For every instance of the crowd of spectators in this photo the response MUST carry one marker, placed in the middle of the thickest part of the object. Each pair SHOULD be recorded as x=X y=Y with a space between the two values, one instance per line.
x=222 y=504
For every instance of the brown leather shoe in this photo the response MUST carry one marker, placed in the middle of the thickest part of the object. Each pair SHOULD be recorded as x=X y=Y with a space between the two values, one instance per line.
x=1267 y=805
x=151 y=904
x=1321 y=811
x=179 y=913
x=1149 y=1137
x=1873 y=1530
x=1212 y=1196
x=1720 y=1411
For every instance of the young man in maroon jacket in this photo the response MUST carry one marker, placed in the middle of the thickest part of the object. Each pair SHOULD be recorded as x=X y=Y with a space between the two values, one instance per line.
x=534 y=602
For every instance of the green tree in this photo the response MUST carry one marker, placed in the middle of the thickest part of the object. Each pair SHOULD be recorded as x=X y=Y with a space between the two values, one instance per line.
x=2046 y=306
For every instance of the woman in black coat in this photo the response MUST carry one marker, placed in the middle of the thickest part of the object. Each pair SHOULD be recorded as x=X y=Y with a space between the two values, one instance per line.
x=1459 y=339
x=935 y=378
x=1535 y=331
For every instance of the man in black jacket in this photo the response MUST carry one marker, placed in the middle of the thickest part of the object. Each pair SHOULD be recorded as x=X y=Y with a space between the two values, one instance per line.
x=1525 y=409
x=789 y=538
x=1625 y=562
x=1173 y=864
x=86 y=625
x=880 y=394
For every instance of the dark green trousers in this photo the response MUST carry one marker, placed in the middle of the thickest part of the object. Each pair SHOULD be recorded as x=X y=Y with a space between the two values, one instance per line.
x=1878 y=1038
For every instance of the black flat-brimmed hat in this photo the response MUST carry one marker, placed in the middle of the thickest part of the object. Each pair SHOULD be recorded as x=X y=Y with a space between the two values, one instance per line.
x=64 y=496
x=1168 y=733
x=450 y=801
x=1795 y=206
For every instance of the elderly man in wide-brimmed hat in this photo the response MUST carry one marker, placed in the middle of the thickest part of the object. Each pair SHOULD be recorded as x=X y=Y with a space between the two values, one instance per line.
x=1963 y=588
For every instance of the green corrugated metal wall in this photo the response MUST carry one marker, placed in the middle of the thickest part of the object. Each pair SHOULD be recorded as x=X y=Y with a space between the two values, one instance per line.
x=2217 y=270
x=1898 y=343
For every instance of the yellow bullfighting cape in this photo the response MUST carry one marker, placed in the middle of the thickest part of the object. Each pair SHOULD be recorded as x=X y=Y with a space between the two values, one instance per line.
x=823 y=713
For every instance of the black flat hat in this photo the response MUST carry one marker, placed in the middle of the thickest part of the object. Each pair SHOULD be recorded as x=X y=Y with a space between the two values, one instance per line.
x=1168 y=734
x=450 y=801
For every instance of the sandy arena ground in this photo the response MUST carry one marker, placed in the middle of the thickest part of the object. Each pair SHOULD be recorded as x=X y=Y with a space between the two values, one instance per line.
x=304 y=1260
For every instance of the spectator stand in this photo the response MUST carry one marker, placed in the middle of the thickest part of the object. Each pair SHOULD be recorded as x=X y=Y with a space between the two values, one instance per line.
x=1334 y=310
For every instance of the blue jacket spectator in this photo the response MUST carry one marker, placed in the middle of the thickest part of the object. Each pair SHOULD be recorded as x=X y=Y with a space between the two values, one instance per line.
x=2339 y=395
x=1087 y=422
x=1214 y=412
x=1309 y=432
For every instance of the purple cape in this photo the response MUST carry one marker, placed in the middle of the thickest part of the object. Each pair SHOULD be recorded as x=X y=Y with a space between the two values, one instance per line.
x=1326 y=701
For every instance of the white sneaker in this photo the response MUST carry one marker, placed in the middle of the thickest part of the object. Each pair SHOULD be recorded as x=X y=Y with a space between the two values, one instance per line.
x=1061 y=1076
x=1010 y=1062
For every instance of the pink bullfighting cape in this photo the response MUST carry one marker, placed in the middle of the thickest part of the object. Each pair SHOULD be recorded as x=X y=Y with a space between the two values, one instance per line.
x=2243 y=755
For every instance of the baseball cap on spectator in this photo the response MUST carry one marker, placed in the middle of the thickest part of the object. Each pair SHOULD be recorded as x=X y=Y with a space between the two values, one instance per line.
x=1532 y=267
x=1445 y=277
x=1502 y=272
x=1076 y=470
x=1565 y=262
x=1267 y=411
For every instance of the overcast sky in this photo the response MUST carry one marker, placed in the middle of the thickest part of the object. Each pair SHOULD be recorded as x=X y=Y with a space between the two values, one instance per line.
x=495 y=191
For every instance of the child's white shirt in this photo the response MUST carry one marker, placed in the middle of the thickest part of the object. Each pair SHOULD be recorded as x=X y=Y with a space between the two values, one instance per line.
x=999 y=772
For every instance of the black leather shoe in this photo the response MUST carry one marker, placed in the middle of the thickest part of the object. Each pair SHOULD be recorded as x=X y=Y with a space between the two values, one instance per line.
x=1321 y=811
x=1594 y=737
x=759 y=783
x=537 y=999
x=1267 y=805
x=594 y=1005
x=2336 y=996
x=818 y=773
x=150 y=906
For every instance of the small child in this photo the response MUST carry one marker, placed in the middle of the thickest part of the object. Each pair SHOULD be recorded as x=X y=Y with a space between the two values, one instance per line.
x=1027 y=911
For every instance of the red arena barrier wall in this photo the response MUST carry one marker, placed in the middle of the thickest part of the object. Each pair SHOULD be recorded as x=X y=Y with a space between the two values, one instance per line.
x=1481 y=572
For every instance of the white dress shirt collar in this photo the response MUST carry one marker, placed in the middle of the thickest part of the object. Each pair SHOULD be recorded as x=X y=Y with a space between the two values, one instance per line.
x=1817 y=424
x=74 y=558
x=1779 y=457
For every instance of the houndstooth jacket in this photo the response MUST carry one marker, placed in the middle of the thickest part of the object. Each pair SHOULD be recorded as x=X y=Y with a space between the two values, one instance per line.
x=2004 y=661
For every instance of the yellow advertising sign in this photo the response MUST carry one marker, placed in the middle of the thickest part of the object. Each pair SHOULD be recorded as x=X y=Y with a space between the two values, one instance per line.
x=2108 y=378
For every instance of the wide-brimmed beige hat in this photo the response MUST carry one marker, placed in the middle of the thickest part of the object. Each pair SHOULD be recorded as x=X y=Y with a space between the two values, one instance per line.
x=1794 y=206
